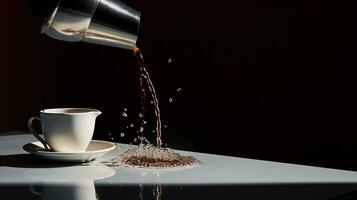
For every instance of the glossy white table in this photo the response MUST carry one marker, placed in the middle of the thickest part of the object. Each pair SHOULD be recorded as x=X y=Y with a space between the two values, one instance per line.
x=18 y=167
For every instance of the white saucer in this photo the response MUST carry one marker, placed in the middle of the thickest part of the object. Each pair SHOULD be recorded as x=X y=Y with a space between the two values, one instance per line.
x=95 y=149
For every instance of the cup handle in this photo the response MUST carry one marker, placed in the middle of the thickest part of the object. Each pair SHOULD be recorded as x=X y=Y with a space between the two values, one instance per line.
x=34 y=133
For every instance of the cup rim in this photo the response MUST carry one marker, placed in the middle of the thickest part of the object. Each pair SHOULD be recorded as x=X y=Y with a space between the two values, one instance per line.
x=64 y=111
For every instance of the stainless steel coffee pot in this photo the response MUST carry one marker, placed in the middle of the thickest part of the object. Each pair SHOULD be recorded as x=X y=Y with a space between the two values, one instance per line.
x=103 y=22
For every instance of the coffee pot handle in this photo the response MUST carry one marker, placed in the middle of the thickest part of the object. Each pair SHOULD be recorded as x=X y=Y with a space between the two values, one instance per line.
x=34 y=132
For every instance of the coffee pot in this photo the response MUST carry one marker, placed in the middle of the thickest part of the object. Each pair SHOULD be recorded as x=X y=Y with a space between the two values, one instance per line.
x=103 y=22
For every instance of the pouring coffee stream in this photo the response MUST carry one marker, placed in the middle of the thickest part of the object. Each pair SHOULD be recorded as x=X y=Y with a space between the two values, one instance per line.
x=145 y=75
x=113 y=23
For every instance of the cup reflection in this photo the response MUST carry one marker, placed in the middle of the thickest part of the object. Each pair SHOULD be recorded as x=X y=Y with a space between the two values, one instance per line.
x=70 y=183
x=75 y=191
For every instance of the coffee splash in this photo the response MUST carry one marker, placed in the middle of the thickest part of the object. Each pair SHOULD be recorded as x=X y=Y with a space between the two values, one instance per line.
x=146 y=155
x=149 y=156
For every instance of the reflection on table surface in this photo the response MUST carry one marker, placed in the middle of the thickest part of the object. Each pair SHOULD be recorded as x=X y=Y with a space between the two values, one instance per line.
x=88 y=191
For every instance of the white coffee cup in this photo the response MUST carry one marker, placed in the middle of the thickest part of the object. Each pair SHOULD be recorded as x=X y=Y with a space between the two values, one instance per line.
x=66 y=129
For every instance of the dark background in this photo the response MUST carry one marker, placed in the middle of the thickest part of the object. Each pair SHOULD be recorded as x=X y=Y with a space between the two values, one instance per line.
x=258 y=78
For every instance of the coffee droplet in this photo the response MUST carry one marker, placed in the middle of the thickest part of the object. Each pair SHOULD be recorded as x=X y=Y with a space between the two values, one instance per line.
x=169 y=60
x=122 y=134
x=132 y=125
x=179 y=89
x=125 y=109
x=124 y=114
x=171 y=100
